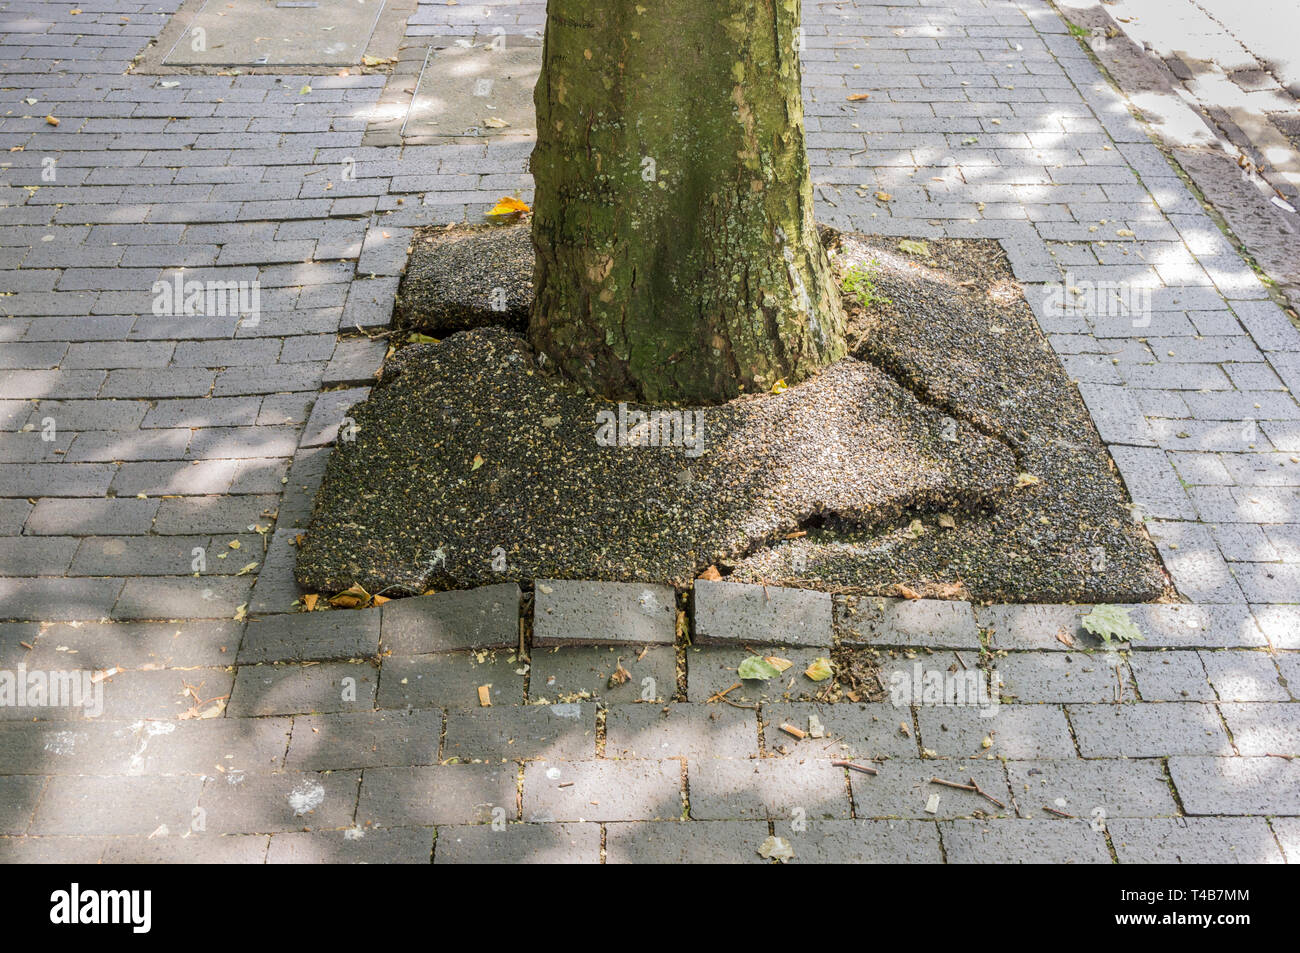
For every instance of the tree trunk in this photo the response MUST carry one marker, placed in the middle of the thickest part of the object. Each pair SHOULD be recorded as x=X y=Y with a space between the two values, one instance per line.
x=677 y=259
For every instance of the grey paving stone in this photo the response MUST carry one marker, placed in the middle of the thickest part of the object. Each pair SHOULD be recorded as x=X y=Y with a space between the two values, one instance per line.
x=293 y=689
x=903 y=788
x=1280 y=624
x=237 y=803
x=563 y=732
x=1096 y=789
x=211 y=746
x=52 y=850
x=121 y=805
x=329 y=414
x=399 y=845
x=1035 y=627
x=1237 y=785
x=165 y=693
x=685 y=842
x=103 y=645
x=1031 y=677
x=932 y=623
x=578 y=672
x=195 y=849
x=1194 y=840
x=439 y=794
x=364 y=739
x=519 y=844
x=713 y=668
x=632 y=790
x=181 y=597
x=863 y=842
x=1171 y=677
x=451 y=680
x=767 y=789
x=735 y=613
x=1197 y=626
x=854 y=732
x=18 y=798
x=600 y=613
x=1264 y=728
x=55 y=599
x=1287 y=830
x=680 y=731
x=1015 y=731
x=311 y=636
x=482 y=618
x=1148 y=730
x=1244 y=676
x=1017 y=841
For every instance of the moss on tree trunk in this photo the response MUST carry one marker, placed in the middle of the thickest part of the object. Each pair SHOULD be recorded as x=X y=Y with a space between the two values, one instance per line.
x=677 y=259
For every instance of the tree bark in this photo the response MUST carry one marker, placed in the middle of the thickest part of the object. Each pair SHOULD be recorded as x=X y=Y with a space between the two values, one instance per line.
x=677 y=258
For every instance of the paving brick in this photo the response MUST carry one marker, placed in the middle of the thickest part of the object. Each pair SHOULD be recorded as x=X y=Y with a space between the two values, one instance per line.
x=364 y=739
x=1171 y=677
x=602 y=790
x=195 y=849
x=1016 y=841
x=440 y=794
x=1090 y=789
x=1236 y=786
x=1264 y=728
x=863 y=841
x=292 y=689
x=1244 y=676
x=1280 y=624
x=482 y=618
x=329 y=413
x=400 y=845
x=53 y=599
x=932 y=623
x=713 y=668
x=519 y=844
x=92 y=517
x=311 y=636
x=104 y=645
x=902 y=787
x=858 y=732
x=52 y=850
x=121 y=805
x=1016 y=731
x=18 y=798
x=237 y=802
x=1194 y=840
x=767 y=789
x=573 y=673
x=680 y=731
x=685 y=842
x=1032 y=677
x=563 y=732
x=738 y=614
x=569 y=612
x=451 y=680
x=1148 y=730
x=1287 y=830
x=182 y=597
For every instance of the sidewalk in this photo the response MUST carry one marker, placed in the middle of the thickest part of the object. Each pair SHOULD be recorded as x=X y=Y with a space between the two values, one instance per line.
x=137 y=449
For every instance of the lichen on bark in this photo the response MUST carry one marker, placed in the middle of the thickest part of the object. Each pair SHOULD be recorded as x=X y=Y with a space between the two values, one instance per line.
x=677 y=257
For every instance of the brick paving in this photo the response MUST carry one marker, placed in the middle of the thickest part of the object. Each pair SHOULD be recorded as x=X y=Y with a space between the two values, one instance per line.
x=137 y=449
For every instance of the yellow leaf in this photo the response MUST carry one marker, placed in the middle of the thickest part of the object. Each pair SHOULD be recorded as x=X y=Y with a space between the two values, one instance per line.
x=819 y=670
x=478 y=462
x=233 y=544
x=495 y=123
x=247 y=569
x=51 y=120
x=858 y=97
x=508 y=206
x=779 y=387
x=354 y=598
x=778 y=663
x=310 y=601
x=421 y=339
x=1026 y=479
x=884 y=196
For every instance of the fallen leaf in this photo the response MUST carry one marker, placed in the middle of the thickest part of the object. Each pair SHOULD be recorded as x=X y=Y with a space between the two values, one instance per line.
x=711 y=574
x=1027 y=479
x=478 y=462
x=779 y=387
x=485 y=696
x=508 y=206
x=858 y=97
x=914 y=247
x=819 y=670
x=778 y=663
x=310 y=601
x=884 y=196
x=757 y=667
x=776 y=848
x=51 y=120
x=1112 y=622
x=353 y=598
x=495 y=123
x=906 y=592
x=946 y=521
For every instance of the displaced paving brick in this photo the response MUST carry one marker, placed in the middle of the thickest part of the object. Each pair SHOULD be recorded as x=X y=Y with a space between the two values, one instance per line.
x=292 y=689
x=1244 y=676
x=1264 y=728
x=440 y=794
x=564 y=732
x=929 y=623
x=577 y=672
x=364 y=739
x=330 y=414
x=713 y=668
x=685 y=842
x=1015 y=731
x=483 y=618
x=451 y=680
x=195 y=849
x=903 y=788
x=853 y=731
x=1171 y=677
x=401 y=845
x=1015 y=841
x=680 y=731
x=1031 y=677
x=1088 y=789
x=1237 y=785
x=767 y=789
x=1148 y=730
x=84 y=805
x=311 y=636
x=736 y=613
x=600 y=613
x=602 y=790
x=1194 y=840
x=863 y=842
x=236 y=802
x=519 y=844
